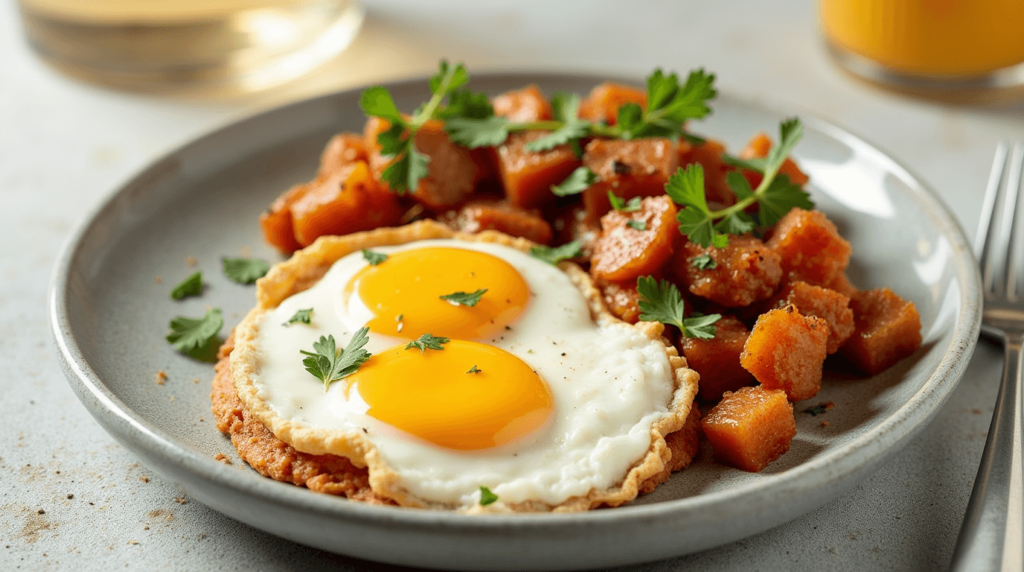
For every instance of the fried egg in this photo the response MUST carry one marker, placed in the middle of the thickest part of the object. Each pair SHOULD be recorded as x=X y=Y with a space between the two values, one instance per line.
x=532 y=397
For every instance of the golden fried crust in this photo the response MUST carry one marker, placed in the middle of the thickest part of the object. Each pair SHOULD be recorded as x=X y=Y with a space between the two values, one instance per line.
x=306 y=267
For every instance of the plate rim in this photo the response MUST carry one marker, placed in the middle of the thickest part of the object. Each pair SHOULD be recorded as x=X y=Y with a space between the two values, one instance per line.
x=110 y=411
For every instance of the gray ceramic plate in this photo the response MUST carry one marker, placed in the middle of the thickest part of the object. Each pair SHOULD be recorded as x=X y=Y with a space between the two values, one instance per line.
x=110 y=312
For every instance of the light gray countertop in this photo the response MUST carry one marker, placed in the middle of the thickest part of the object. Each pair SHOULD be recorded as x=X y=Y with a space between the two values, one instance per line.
x=72 y=497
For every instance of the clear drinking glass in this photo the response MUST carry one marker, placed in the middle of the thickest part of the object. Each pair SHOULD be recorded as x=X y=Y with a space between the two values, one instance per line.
x=185 y=45
x=958 y=50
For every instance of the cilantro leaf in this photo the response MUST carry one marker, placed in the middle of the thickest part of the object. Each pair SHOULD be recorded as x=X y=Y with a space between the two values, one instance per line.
x=245 y=270
x=474 y=369
x=464 y=299
x=300 y=317
x=374 y=258
x=577 y=182
x=570 y=131
x=393 y=140
x=404 y=174
x=735 y=223
x=632 y=206
x=779 y=198
x=192 y=334
x=191 y=286
x=467 y=104
x=487 y=497
x=637 y=225
x=739 y=185
x=704 y=262
x=377 y=102
x=662 y=302
x=630 y=118
x=669 y=105
x=427 y=342
x=329 y=365
x=472 y=132
x=448 y=77
x=556 y=254
x=565 y=106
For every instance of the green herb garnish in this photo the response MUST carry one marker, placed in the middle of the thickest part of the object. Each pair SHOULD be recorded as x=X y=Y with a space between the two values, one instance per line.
x=329 y=365
x=427 y=342
x=631 y=206
x=577 y=182
x=374 y=258
x=487 y=497
x=245 y=270
x=662 y=302
x=637 y=225
x=193 y=335
x=556 y=254
x=817 y=410
x=704 y=262
x=191 y=286
x=464 y=299
x=474 y=369
x=300 y=317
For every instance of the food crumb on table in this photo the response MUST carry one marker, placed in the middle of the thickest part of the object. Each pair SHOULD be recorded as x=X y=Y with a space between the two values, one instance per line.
x=161 y=377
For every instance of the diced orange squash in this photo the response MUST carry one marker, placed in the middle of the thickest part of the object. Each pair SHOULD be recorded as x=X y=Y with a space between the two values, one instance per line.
x=636 y=168
x=341 y=150
x=604 y=102
x=742 y=273
x=887 y=329
x=483 y=214
x=276 y=222
x=718 y=360
x=346 y=201
x=709 y=156
x=638 y=243
x=522 y=105
x=527 y=176
x=750 y=428
x=786 y=350
x=823 y=303
x=810 y=247
x=454 y=171
x=757 y=148
x=622 y=300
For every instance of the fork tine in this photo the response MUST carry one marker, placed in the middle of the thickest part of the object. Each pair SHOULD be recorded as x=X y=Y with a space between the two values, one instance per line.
x=983 y=241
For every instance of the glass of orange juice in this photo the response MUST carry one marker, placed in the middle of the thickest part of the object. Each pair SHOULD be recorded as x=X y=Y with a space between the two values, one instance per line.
x=957 y=50
x=189 y=45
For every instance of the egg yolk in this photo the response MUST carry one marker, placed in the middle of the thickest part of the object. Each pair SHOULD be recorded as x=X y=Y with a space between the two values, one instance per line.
x=468 y=396
x=404 y=293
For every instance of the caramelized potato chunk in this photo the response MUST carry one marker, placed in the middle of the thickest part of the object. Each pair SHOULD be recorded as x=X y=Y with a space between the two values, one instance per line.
x=483 y=215
x=758 y=148
x=743 y=272
x=636 y=243
x=810 y=247
x=751 y=427
x=604 y=102
x=622 y=300
x=343 y=149
x=636 y=168
x=786 y=351
x=887 y=329
x=348 y=200
x=522 y=105
x=823 y=303
x=718 y=360
x=454 y=171
x=527 y=176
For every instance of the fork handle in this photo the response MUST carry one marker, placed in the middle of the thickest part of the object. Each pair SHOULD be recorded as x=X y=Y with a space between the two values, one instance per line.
x=992 y=535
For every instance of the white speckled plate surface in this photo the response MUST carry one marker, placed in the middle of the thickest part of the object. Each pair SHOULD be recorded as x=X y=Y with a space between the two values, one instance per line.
x=109 y=308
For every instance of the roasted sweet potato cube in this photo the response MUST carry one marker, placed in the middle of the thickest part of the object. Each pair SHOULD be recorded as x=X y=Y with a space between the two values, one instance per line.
x=757 y=148
x=810 y=247
x=823 y=303
x=348 y=200
x=841 y=283
x=887 y=328
x=481 y=215
x=638 y=243
x=522 y=105
x=527 y=176
x=739 y=274
x=622 y=299
x=276 y=222
x=454 y=171
x=709 y=156
x=604 y=102
x=786 y=350
x=750 y=428
x=636 y=168
x=718 y=360
x=343 y=149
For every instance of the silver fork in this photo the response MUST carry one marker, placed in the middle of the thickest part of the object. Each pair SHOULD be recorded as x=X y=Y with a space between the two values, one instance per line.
x=992 y=535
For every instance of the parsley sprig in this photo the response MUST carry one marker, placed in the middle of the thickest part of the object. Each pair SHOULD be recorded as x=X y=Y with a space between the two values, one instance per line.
x=329 y=365
x=775 y=195
x=662 y=302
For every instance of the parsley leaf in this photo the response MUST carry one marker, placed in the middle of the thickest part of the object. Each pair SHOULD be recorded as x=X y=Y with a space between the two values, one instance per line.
x=300 y=317
x=473 y=133
x=377 y=102
x=464 y=299
x=669 y=104
x=245 y=270
x=191 y=286
x=374 y=258
x=756 y=165
x=779 y=197
x=487 y=497
x=329 y=365
x=816 y=410
x=189 y=335
x=474 y=369
x=556 y=254
x=632 y=205
x=570 y=131
x=662 y=302
x=637 y=225
x=577 y=182
x=686 y=188
x=704 y=262
x=427 y=342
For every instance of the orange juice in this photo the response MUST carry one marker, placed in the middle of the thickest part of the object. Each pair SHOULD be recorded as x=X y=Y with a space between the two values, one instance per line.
x=937 y=38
